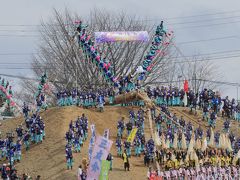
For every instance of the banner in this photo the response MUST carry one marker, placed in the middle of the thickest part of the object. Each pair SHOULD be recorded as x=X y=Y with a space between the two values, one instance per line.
x=100 y=152
x=92 y=140
x=105 y=166
x=101 y=37
x=106 y=133
x=132 y=135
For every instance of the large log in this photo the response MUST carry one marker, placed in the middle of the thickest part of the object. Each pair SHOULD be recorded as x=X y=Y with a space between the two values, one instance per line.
x=132 y=96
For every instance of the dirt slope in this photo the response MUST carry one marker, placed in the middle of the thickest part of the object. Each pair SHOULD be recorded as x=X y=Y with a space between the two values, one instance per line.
x=197 y=120
x=48 y=158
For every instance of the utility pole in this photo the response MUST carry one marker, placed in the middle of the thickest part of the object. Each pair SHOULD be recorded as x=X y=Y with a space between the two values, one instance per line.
x=195 y=83
x=76 y=77
x=237 y=94
x=179 y=77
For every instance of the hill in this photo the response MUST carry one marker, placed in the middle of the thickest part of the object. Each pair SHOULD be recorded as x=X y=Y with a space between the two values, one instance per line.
x=48 y=159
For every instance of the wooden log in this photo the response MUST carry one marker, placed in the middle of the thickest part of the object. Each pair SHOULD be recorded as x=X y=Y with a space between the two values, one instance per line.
x=132 y=96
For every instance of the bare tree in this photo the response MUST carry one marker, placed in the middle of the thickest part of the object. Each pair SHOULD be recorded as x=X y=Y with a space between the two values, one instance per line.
x=198 y=71
x=67 y=65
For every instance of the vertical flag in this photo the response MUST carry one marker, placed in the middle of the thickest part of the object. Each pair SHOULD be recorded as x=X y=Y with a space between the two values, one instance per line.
x=105 y=166
x=100 y=152
x=132 y=135
x=92 y=140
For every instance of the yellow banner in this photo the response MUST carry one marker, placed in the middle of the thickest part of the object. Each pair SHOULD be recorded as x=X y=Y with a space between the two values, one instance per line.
x=132 y=135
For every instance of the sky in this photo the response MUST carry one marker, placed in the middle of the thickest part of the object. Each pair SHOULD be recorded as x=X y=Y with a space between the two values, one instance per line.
x=209 y=27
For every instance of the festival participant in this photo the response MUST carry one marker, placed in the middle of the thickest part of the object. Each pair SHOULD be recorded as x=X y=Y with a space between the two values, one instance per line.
x=44 y=104
x=10 y=154
x=37 y=134
x=110 y=159
x=84 y=127
x=101 y=102
x=4 y=172
x=18 y=154
x=205 y=111
x=39 y=104
x=132 y=117
x=158 y=121
x=80 y=172
x=121 y=127
x=119 y=146
x=129 y=127
x=215 y=103
x=199 y=132
x=212 y=119
x=127 y=146
x=25 y=110
x=69 y=157
x=151 y=174
x=69 y=137
x=150 y=148
x=26 y=140
x=77 y=144
x=153 y=112
x=19 y=131
x=126 y=161
x=226 y=126
x=42 y=129
x=226 y=104
x=137 y=146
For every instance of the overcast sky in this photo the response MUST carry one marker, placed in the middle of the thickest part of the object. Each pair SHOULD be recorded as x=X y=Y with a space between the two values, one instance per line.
x=187 y=18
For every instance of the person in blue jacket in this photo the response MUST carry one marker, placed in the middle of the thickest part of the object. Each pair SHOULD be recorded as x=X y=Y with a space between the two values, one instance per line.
x=101 y=102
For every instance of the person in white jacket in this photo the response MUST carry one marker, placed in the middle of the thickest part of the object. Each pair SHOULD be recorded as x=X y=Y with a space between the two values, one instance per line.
x=79 y=173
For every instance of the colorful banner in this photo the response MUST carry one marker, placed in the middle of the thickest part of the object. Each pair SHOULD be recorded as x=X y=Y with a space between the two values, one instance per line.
x=105 y=166
x=100 y=152
x=102 y=37
x=132 y=135
x=92 y=141
x=106 y=133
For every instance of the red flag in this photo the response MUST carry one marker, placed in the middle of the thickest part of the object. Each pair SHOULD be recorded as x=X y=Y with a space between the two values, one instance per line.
x=185 y=86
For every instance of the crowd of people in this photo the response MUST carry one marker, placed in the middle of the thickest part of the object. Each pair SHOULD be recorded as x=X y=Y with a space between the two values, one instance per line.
x=175 y=137
x=32 y=133
x=85 y=99
x=139 y=145
x=11 y=173
x=210 y=102
x=200 y=173
x=209 y=150
x=75 y=136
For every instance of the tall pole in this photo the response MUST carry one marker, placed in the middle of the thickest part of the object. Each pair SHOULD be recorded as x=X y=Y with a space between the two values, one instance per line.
x=195 y=83
x=76 y=77
x=178 y=82
x=237 y=94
